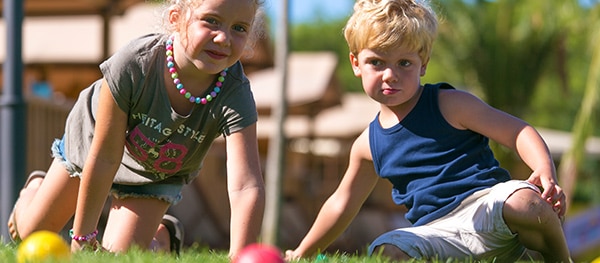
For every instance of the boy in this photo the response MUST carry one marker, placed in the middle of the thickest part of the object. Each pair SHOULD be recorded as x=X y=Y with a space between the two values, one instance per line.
x=431 y=143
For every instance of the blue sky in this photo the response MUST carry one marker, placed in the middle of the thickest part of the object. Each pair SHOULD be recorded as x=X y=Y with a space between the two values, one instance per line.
x=301 y=11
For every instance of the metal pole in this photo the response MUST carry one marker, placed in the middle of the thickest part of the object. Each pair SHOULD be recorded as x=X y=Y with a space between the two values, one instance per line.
x=12 y=115
x=276 y=152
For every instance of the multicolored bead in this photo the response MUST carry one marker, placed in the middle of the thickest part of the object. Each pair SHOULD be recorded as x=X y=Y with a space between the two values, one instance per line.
x=193 y=99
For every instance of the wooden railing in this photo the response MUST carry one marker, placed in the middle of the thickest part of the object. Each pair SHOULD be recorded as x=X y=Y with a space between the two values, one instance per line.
x=45 y=122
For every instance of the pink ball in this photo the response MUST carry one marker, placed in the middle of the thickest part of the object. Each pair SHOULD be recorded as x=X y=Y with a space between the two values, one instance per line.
x=259 y=253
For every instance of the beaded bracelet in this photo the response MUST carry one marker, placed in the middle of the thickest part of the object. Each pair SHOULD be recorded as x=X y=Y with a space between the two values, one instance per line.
x=85 y=238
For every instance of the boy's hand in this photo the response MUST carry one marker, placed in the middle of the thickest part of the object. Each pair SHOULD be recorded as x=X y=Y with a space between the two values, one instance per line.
x=556 y=197
x=552 y=193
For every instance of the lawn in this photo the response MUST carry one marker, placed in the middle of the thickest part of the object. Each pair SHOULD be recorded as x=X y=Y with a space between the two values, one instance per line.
x=196 y=255
x=191 y=254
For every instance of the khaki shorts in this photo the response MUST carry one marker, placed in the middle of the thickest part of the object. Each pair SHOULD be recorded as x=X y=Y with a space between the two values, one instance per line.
x=475 y=230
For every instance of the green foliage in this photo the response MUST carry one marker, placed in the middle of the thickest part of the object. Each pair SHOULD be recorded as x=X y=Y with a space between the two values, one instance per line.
x=585 y=122
x=503 y=46
x=326 y=36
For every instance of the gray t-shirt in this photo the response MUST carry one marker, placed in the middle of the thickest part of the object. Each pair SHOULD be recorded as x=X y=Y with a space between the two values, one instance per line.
x=161 y=145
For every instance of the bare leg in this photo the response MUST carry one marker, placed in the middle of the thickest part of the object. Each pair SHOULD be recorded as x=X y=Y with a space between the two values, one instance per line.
x=135 y=221
x=46 y=204
x=34 y=180
x=49 y=203
x=537 y=225
x=161 y=240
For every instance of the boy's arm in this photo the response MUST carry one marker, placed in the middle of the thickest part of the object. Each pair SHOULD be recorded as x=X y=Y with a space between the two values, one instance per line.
x=342 y=206
x=534 y=152
x=465 y=111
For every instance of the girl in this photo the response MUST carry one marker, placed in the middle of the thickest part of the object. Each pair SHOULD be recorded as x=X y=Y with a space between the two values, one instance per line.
x=142 y=131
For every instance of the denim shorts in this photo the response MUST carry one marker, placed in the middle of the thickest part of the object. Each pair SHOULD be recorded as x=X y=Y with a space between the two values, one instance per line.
x=475 y=229
x=170 y=193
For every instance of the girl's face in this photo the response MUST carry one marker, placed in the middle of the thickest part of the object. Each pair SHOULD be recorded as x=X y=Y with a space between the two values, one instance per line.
x=390 y=77
x=214 y=34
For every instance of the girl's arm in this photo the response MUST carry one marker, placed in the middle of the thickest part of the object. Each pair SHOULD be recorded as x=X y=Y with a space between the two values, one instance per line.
x=101 y=165
x=245 y=187
x=342 y=206
x=464 y=111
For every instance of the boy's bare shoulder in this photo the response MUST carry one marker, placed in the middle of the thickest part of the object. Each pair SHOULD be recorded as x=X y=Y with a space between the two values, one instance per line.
x=453 y=101
x=361 y=148
x=456 y=94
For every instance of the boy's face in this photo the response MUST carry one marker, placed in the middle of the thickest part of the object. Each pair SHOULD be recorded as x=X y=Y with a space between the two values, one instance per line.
x=391 y=77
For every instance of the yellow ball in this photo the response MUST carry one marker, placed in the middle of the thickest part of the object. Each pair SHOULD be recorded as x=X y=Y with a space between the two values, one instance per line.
x=596 y=260
x=43 y=245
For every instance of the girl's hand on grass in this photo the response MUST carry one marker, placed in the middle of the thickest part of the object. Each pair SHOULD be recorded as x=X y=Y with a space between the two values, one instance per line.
x=291 y=255
x=92 y=245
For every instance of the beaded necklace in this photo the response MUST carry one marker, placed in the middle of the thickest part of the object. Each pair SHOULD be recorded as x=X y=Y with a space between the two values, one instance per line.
x=171 y=66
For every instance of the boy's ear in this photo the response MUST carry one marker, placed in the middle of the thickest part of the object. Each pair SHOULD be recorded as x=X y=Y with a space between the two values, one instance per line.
x=424 y=67
x=354 y=64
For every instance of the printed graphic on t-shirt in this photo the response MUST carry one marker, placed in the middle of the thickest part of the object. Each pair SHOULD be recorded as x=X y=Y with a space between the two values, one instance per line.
x=161 y=156
x=161 y=159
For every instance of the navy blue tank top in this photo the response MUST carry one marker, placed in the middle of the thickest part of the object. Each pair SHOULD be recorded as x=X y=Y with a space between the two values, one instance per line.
x=432 y=165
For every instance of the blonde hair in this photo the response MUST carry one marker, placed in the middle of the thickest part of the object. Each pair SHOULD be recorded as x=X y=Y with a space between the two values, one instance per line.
x=383 y=24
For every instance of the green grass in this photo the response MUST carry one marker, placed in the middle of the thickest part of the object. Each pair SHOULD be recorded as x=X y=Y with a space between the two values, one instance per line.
x=193 y=254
